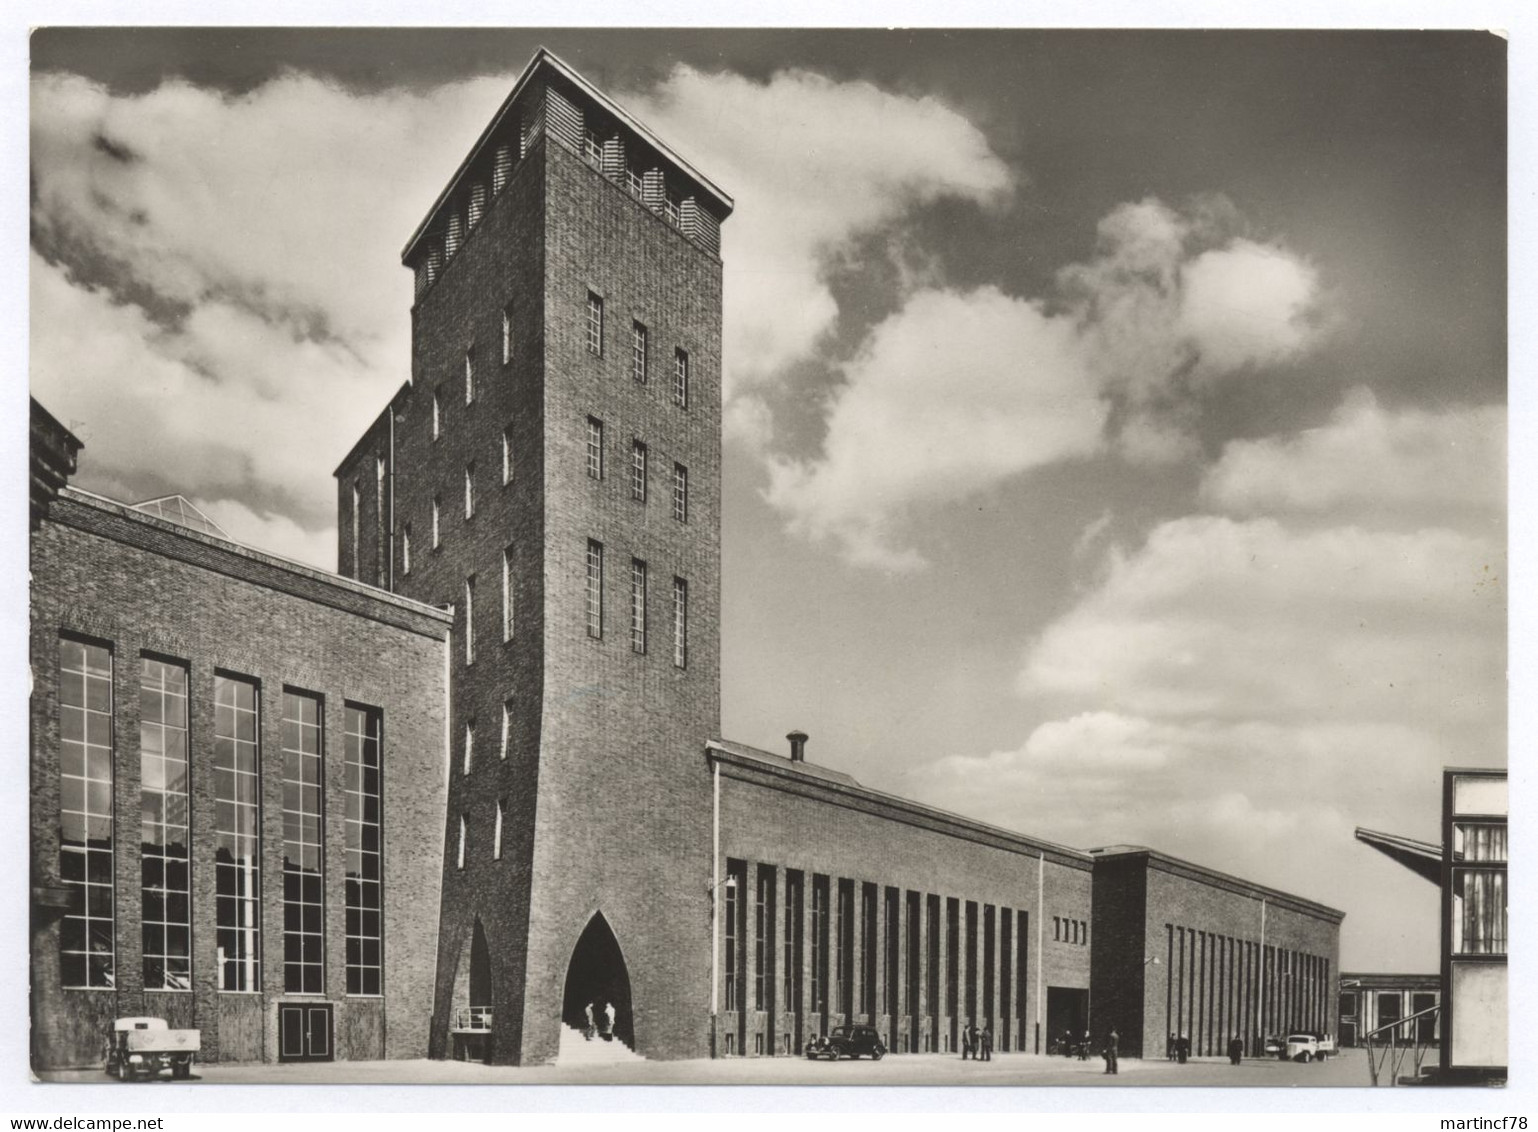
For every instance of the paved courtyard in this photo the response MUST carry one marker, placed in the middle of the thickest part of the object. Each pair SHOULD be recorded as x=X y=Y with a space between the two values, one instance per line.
x=1349 y=1069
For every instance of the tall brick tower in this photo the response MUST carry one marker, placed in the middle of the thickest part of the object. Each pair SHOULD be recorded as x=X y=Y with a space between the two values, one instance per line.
x=552 y=471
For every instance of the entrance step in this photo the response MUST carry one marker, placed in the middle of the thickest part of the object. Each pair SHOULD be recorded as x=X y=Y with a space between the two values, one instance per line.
x=577 y=1050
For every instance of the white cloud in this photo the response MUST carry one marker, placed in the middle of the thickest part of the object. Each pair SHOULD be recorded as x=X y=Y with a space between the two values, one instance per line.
x=813 y=165
x=951 y=395
x=1247 y=304
x=1370 y=463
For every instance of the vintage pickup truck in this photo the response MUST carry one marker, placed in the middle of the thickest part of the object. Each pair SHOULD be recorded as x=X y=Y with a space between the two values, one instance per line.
x=147 y=1047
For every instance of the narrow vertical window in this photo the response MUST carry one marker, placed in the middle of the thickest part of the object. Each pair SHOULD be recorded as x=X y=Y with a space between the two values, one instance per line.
x=680 y=623
x=681 y=378
x=86 y=933
x=638 y=352
x=507 y=454
x=163 y=807
x=357 y=506
x=638 y=471
x=461 y=855
x=496 y=834
x=469 y=491
x=729 y=923
x=594 y=448
x=470 y=619
x=507 y=334
x=379 y=522
x=507 y=725
x=304 y=870
x=470 y=375
x=637 y=605
x=594 y=324
x=406 y=549
x=237 y=834
x=365 y=894
x=507 y=594
x=469 y=751
x=681 y=493
x=594 y=588
x=437 y=531
x=437 y=413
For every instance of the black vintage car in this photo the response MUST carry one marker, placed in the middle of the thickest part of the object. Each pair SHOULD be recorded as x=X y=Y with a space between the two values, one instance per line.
x=847 y=1041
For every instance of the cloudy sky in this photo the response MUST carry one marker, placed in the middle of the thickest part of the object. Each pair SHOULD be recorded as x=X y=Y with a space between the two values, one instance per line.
x=1116 y=422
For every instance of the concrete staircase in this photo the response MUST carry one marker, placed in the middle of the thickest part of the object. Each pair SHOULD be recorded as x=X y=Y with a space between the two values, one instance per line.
x=576 y=1050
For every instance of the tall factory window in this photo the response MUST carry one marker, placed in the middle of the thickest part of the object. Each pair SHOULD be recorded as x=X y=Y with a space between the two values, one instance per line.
x=637 y=605
x=365 y=894
x=729 y=925
x=819 y=947
x=594 y=448
x=163 y=806
x=594 y=324
x=638 y=352
x=237 y=834
x=869 y=956
x=304 y=870
x=594 y=588
x=86 y=938
x=680 y=493
x=791 y=963
x=763 y=938
x=844 y=944
x=681 y=378
x=638 y=471
x=680 y=623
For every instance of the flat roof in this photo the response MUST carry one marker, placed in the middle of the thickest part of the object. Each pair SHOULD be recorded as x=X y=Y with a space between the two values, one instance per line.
x=840 y=789
x=545 y=59
x=1165 y=862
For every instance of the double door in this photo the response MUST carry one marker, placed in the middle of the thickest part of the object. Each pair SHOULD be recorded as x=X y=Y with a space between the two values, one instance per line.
x=304 y=1031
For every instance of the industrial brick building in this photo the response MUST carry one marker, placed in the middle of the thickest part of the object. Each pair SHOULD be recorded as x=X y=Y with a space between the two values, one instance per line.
x=523 y=647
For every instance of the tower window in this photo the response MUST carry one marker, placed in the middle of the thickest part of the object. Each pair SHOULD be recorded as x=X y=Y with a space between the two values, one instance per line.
x=594 y=324
x=594 y=588
x=681 y=378
x=470 y=375
x=507 y=596
x=638 y=471
x=507 y=454
x=470 y=619
x=469 y=751
x=469 y=491
x=680 y=493
x=461 y=855
x=680 y=623
x=638 y=352
x=594 y=448
x=406 y=549
x=437 y=532
x=507 y=334
x=637 y=605
x=507 y=726
x=496 y=836
x=437 y=413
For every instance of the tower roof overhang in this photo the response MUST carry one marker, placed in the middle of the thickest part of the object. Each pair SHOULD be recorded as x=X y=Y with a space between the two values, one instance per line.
x=1421 y=857
x=547 y=62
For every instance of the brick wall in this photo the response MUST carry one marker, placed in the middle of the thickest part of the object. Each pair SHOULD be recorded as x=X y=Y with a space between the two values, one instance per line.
x=139 y=584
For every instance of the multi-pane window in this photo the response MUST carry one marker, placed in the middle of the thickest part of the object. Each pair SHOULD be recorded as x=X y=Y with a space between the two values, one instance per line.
x=594 y=324
x=762 y=930
x=592 y=148
x=1479 y=919
x=469 y=375
x=496 y=833
x=469 y=491
x=507 y=725
x=365 y=894
x=594 y=448
x=86 y=953
x=680 y=623
x=680 y=493
x=637 y=605
x=470 y=619
x=237 y=834
x=672 y=207
x=638 y=352
x=437 y=413
x=594 y=588
x=507 y=594
x=635 y=181
x=164 y=860
x=681 y=378
x=507 y=454
x=638 y=471
x=729 y=922
x=507 y=334
x=304 y=870
x=437 y=529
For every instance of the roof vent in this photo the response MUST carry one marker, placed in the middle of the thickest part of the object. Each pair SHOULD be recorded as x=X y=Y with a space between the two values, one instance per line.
x=797 y=746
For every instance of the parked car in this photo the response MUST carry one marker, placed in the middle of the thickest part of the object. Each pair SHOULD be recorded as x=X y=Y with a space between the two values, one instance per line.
x=1302 y=1047
x=1275 y=1047
x=847 y=1041
x=147 y=1047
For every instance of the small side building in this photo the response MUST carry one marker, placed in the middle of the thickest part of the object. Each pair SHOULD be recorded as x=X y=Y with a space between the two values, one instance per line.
x=1183 y=949
x=1371 y=1000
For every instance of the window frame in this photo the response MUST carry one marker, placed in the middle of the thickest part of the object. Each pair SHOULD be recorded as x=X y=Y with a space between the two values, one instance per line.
x=639 y=470
x=638 y=597
x=594 y=593
x=594 y=326
x=161 y=894
x=680 y=493
x=639 y=351
x=594 y=448
x=681 y=377
x=97 y=975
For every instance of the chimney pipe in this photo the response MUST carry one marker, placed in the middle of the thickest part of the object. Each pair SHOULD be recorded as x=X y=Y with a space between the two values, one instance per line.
x=797 y=746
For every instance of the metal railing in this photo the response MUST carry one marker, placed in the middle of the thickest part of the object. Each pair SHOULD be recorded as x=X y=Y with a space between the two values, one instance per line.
x=1391 y=1054
x=474 y=1020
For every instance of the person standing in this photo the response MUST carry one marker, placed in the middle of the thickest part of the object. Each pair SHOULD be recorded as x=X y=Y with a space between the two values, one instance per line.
x=1084 y=1047
x=1235 y=1049
x=1182 y=1049
x=587 y=1032
x=986 y=1040
x=966 y=1040
x=1169 y=1047
x=1110 y=1052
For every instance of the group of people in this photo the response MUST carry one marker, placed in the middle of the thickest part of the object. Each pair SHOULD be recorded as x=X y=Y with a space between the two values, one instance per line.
x=1178 y=1048
x=976 y=1043
x=600 y=1020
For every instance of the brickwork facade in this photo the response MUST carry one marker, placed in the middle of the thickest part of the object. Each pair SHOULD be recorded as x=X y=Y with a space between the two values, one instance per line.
x=142 y=588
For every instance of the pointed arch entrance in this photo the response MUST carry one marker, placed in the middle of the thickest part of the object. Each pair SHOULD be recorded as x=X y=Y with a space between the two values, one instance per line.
x=597 y=975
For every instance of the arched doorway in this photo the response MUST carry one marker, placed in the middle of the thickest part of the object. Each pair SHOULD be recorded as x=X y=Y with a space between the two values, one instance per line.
x=595 y=976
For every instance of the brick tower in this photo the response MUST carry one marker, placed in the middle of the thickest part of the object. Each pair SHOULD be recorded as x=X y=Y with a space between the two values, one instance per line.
x=552 y=471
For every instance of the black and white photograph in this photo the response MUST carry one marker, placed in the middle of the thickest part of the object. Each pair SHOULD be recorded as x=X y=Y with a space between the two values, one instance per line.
x=766 y=557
